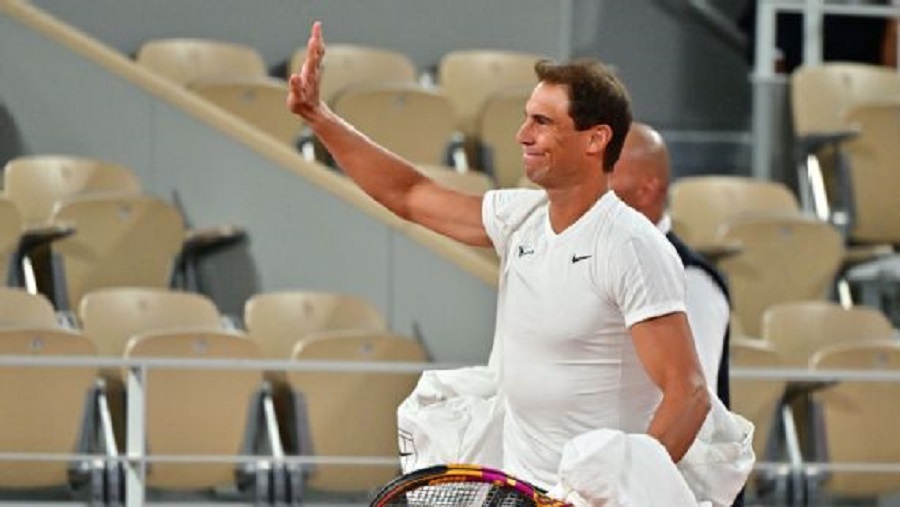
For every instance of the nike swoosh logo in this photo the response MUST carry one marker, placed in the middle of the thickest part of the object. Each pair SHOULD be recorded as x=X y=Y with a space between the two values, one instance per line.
x=579 y=258
x=525 y=251
x=405 y=454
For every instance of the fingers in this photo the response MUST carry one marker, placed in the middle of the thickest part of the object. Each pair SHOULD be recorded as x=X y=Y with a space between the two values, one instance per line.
x=315 y=47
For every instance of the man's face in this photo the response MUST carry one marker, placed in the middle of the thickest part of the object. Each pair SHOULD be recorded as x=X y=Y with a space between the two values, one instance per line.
x=552 y=149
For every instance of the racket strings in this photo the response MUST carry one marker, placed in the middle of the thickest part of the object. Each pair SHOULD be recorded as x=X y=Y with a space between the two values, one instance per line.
x=463 y=494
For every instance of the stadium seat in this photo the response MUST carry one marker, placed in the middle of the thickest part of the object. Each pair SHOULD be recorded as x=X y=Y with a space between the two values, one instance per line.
x=699 y=205
x=185 y=60
x=352 y=413
x=21 y=308
x=278 y=320
x=798 y=329
x=860 y=421
x=346 y=65
x=781 y=258
x=259 y=102
x=207 y=412
x=498 y=124
x=37 y=183
x=51 y=410
x=406 y=118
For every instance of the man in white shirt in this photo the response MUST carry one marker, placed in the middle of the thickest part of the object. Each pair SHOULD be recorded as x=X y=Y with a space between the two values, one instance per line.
x=590 y=312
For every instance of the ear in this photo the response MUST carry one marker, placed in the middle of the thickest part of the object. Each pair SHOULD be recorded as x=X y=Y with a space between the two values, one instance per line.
x=600 y=137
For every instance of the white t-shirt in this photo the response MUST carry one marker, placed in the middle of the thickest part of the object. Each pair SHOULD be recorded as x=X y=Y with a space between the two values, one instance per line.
x=567 y=362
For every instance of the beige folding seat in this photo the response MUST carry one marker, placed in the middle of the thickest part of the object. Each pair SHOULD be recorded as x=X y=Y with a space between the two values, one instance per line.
x=352 y=413
x=278 y=320
x=781 y=258
x=346 y=65
x=470 y=77
x=120 y=240
x=860 y=421
x=259 y=102
x=184 y=60
x=415 y=122
x=19 y=307
x=112 y=316
x=820 y=97
x=798 y=329
x=46 y=411
x=206 y=412
x=498 y=124
x=874 y=177
x=37 y=183
x=699 y=205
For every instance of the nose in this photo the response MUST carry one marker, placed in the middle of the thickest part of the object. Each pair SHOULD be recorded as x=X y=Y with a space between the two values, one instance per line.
x=523 y=135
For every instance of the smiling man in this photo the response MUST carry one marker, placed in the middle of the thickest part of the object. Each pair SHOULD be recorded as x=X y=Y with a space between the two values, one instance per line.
x=590 y=306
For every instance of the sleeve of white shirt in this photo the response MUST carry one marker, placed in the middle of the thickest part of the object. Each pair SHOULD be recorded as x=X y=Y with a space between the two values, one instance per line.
x=646 y=276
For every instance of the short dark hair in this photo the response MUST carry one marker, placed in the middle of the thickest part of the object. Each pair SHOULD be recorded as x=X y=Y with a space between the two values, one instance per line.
x=596 y=97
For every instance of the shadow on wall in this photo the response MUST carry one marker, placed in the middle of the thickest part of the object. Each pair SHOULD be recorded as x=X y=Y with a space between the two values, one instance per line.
x=11 y=145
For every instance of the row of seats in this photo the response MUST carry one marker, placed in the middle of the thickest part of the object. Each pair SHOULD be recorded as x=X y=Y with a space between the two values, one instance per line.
x=811 y=425
x=467 y=119
x=205 y=411
x=817 y=416
x=74 y=224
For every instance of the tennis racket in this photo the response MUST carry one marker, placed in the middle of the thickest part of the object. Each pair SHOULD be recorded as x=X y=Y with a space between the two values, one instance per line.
x=460 y=485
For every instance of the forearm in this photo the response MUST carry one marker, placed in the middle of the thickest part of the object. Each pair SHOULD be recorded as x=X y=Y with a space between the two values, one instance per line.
x=679 y=417
x=380 y=173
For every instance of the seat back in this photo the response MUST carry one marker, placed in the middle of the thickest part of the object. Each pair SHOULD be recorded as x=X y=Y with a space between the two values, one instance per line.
x=782 y=258
x=699 y=205
x=10 y=232
x=43 y=406
x=277 y=320
x=112 y=316
x=120 y=240
x=759 y=400
x=259 y=102
x=184 y=60
x=861 y=418
x=472 y=182
x=21 y=308
x=37 y=183
x=469 y=77
x=346 y=65
x=821 y=93
x=798 y=329
x=196 y=411
x=408 y=119
x=498 y=123
x=873 y=156
x=353 y=413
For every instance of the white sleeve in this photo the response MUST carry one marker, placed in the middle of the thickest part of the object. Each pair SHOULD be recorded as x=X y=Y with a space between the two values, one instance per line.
x=647 y=277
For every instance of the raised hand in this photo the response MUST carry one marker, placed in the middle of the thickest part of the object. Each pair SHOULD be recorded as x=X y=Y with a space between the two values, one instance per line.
x=303 y=88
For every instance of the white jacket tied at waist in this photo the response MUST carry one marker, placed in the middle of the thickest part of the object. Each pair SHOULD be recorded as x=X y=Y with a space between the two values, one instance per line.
x=456 y=416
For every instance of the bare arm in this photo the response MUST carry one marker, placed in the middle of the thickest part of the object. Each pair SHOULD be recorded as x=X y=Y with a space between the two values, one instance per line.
x=666 y=349
x=386 y=177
